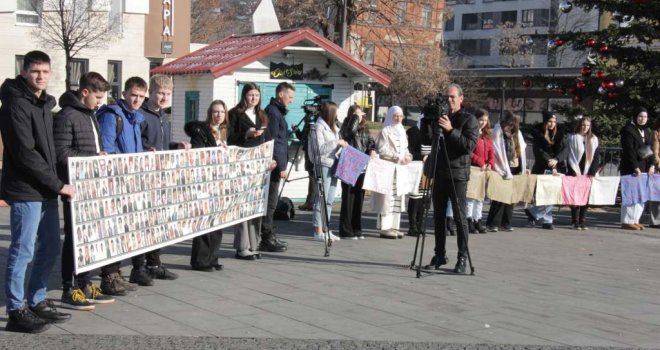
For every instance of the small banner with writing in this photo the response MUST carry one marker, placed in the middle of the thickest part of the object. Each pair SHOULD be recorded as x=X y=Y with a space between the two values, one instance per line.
x=286 y=71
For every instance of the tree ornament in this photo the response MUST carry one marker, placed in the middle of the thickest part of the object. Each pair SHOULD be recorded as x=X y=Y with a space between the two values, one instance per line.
x=602 y=90
x=551 y=44
x=526 y=83
x=600 y=75
x=612 y=95
x=580 y=85
x=607 y=85
x=591 y=42
x=529 y=41
x=592 y=58
x=603 y=49
x=618 y=16
x=571 y=90
x=619 y=83
x=562 y=90
x=626 y=21
x=578 y=98
x=551 y=86
x=565 y=6
x=558 y=42
x=585 y=71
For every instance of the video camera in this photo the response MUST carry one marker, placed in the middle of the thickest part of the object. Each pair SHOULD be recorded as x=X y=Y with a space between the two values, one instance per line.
x=312 y=107
x=435 y=107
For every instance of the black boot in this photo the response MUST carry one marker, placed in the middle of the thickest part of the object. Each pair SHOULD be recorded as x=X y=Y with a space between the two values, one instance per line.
x=436 y=262
x=460 y=265
x=25 y=321
x=451 y=226
x=471 y=226
x=270 y=244
x=46 y=310
x=480 y=227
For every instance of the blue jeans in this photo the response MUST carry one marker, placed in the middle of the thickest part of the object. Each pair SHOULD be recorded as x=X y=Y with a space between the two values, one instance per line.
x=542 y=213
x=329 y=187
x=33 y=225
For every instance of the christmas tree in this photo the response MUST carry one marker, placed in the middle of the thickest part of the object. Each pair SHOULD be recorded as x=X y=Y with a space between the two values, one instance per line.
x=621 y=64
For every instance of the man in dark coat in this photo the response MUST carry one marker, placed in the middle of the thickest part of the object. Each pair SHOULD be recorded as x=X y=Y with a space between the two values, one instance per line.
x=77 y=134
x=276 y=111
x=30 y=185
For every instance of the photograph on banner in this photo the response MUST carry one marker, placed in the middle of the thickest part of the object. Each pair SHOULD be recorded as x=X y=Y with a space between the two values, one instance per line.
x=129 y=204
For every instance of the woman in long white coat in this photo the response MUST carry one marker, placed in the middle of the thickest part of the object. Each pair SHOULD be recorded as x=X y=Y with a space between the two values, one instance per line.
x=392 y=145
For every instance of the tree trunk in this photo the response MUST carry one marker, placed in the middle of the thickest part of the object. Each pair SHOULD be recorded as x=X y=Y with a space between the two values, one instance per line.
x=67 y=67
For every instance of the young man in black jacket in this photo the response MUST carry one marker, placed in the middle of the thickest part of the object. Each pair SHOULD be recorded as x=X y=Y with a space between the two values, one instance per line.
x=77 y=134
x=276 y=112
x=30 y=185
x=156 y=136
x=460 y=130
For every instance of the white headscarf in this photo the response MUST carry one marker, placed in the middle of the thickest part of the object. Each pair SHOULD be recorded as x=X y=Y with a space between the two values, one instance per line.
x=397 y=129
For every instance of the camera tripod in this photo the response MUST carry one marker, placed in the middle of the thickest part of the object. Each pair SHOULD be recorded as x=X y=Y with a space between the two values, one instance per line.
x=428 y=186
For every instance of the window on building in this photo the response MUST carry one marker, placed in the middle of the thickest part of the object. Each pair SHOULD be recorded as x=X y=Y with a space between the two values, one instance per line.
x=487 y=20
x=115 y=17
x=368 y=54
x=427 y=16
x=470 y=21
x=460 y=2
x=540 y=46
x=77 y=67
x=449 y=25
x=372 y=12
x=19 y=65
x=28 y=12
x=508 y=16
x=475 y=47
x=114 y=78
x=191 y=106
x=402 y=11
x=535 y=18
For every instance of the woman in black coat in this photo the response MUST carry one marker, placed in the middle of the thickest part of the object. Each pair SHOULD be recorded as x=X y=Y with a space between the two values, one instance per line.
x=248 y=128
x=636 y=158
x=355 y=131
x=209 y=133
x=548 y=141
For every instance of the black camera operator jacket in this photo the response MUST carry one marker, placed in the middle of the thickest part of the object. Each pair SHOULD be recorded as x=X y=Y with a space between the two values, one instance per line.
x=460 y=142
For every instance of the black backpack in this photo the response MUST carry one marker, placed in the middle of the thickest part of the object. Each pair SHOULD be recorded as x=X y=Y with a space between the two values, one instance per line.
x=284 y=210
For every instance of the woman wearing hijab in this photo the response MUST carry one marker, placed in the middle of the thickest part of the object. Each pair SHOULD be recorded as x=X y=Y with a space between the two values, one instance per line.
x=582 y=160
x=323 y=150
x=548 y=141
x=209 y=133
x=636 y=158
x=248 y=128
x=510 y=160
x=392 y=145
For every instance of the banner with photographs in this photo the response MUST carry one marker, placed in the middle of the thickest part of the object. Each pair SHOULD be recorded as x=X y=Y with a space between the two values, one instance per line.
x=131 y=204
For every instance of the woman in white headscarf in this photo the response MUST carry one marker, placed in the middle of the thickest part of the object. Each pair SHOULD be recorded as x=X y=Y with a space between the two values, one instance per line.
x=392 y=145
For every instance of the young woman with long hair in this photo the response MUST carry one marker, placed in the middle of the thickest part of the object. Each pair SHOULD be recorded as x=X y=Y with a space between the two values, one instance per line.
x=323 y=146
x=247 y=128
x=209 y=133
x=484 y=158
x=355 y=131
x=510 y=159
x=548 y=143
x=582 y=160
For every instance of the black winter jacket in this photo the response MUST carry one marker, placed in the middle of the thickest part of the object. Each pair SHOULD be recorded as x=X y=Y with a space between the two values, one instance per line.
x=278 y=131
x=73 y=128
x=631 y=143
x=358 y=138
x=29 y=160
x=239 y=124
x=460 y=142
x=544 y=151
x=156 y=130
x=414 y=142
x=200 y=134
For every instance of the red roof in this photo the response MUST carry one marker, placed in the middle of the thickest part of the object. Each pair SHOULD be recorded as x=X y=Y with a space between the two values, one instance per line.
x=236 y=51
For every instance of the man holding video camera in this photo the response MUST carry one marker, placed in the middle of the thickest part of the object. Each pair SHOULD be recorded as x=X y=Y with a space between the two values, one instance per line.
x=451 y=157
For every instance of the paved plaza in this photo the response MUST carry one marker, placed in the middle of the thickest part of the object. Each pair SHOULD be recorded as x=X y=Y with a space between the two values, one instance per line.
x=533 y=288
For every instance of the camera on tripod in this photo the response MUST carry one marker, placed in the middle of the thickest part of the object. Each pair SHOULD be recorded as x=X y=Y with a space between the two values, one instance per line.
x=435 y=107
x=312 y=106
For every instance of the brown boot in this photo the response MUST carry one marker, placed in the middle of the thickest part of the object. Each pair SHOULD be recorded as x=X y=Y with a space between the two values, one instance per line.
x=111 y=285
x=127 y=285
x=631 y=227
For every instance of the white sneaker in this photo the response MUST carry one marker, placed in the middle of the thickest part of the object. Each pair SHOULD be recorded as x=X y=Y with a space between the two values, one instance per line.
x=319 y=236
x=333 y=237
